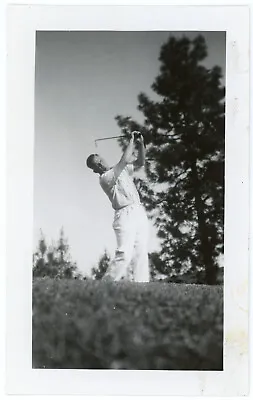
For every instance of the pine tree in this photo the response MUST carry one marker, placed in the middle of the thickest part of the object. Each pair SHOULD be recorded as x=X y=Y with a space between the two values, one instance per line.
x=54 y=261
x=184 y=136
x=103 y=263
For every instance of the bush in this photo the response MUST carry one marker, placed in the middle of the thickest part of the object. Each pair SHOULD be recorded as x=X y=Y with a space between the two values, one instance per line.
x=96 y=324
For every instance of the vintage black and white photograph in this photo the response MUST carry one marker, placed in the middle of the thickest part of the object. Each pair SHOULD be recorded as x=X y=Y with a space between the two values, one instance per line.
x=129 y=155
x=128 y=200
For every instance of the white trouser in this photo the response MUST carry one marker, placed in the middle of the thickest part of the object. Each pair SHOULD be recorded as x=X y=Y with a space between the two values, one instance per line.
x=131 y=257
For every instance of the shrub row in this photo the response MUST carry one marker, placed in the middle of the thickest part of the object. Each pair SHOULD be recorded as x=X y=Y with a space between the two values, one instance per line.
x=94 y=324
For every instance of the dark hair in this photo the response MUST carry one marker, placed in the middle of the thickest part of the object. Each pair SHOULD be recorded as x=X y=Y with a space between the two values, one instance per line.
x=89 y=160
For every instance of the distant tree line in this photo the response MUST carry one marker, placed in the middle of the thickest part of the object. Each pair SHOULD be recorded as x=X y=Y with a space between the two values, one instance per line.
x=156 y=271
x=54 y=260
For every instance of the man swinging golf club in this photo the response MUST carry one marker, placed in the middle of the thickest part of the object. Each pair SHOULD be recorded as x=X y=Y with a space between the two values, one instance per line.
x=130 y=220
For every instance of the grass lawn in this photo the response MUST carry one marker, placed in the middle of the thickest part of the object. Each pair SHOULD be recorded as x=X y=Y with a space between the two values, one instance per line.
x=94 y=324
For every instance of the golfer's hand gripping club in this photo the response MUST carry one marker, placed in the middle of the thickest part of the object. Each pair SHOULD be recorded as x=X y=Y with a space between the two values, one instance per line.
x=137 y=136
x=139 y=140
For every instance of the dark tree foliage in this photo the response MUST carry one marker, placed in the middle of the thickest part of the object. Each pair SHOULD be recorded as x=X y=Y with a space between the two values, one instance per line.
x=103 y=263
x=184 y=134
x=54 y=261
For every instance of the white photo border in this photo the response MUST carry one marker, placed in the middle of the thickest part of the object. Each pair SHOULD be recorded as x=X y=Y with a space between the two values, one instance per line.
x=22 y=23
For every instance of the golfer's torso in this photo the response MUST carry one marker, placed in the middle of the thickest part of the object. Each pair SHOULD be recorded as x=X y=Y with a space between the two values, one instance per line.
x=122 y=191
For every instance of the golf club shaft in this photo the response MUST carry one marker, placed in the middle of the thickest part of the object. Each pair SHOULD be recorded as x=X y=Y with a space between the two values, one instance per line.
x=111 y=137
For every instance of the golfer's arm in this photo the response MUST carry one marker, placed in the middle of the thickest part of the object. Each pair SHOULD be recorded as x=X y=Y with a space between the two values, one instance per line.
x=126 y=158
x=140 y=162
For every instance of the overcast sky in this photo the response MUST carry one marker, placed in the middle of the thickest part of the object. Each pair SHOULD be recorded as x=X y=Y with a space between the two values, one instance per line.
x=82 y=81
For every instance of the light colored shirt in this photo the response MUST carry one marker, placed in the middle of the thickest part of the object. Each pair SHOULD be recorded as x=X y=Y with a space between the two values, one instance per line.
x=121 y=191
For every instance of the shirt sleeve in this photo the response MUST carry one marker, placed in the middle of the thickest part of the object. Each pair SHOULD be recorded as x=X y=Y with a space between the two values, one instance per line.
x=130 y=169
x=108 y=178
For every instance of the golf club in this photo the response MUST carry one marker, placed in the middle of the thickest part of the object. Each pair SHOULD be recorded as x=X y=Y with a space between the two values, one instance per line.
x=136 y=133
x=108 y=138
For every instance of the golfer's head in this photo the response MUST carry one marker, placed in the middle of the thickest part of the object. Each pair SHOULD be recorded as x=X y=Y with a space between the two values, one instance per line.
x=96 y=163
